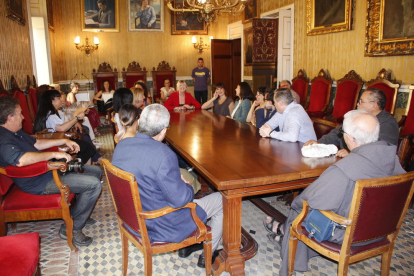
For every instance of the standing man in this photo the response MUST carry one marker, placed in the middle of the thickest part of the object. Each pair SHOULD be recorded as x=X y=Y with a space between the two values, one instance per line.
x=104 y=17
x=201 y=79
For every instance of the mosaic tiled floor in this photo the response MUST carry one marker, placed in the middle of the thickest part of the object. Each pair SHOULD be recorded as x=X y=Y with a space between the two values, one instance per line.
x=103 y=256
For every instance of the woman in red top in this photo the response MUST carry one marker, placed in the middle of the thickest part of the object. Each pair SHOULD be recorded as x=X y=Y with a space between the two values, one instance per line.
x=181 y=100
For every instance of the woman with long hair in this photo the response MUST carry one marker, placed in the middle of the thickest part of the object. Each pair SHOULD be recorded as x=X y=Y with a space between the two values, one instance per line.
x=104 y=98
x=221 y=104
x=257 y=106
x=242 y=105
x=50 y=116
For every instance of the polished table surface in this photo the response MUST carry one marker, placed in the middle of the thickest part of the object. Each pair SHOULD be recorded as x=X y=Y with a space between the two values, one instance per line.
x=239 y=163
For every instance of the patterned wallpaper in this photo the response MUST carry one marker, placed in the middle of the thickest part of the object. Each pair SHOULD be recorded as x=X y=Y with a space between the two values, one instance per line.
x=15 y=52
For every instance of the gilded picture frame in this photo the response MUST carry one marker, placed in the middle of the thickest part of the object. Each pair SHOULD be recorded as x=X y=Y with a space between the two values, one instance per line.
x=95 y=19
x=328 y=16
x=134 y=22
x=389 y=28
x=251 y=10
x=186 y=23
x=16 y=11
x=248 y=46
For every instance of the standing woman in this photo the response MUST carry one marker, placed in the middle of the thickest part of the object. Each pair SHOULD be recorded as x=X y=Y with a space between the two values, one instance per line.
x=148 y=98
x=257 y=106
x=221 y=104
x=105 y=97
x=49 y=116
x=242 y=105
x=181 y=100
x=167 y=89
x=91 y=113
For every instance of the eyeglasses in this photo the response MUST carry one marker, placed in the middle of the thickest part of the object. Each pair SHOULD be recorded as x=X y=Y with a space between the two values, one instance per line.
x=341 y=130
x=361 y=102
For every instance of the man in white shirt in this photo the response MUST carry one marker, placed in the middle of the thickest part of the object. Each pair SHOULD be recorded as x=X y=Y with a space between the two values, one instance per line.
x=293 y=121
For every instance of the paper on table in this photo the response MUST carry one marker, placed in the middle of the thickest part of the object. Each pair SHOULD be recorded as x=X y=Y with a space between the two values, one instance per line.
x=319 y=150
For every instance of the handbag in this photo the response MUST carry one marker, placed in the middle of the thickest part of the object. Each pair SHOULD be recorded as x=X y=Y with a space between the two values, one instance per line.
x=319 y=226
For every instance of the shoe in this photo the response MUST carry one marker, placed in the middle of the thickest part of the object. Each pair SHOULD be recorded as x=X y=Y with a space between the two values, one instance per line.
x=201 y=262
x=79 y=238
x=186 y=251
x=90 y=222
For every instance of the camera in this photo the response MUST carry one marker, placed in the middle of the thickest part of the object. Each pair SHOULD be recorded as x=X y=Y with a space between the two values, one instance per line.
x=73 y=166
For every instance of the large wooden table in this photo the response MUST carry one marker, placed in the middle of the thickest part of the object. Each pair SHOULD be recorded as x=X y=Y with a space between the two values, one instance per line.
x=239 y=163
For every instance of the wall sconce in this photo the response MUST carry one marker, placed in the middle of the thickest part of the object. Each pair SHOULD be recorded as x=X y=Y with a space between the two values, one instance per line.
x=87 y=48
x=199 y=46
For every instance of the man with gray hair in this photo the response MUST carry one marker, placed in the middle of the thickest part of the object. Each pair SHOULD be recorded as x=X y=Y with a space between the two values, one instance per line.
x=287 y=84
x=156 y=170
x=293 y=121
x=333 y=190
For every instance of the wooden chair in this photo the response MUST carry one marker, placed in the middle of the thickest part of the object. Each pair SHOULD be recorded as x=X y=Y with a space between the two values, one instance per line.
x=405 y=150
x=389 y=86
x=34 y=82
x=158 y=76
x=17 y=205
x=377 y=211
x=301 y=86
x=18 y=94
x=127 y=202
x=406 y=123
x=133 y=74
x=347 y=92
x=320 y=95
x=104 y=73
x=323 y=127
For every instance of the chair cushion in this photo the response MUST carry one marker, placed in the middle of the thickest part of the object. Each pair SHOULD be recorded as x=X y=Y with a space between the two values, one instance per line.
x=319 y=92
x=354 y=249
x=19 y=254
x=345 y=98
x=300 y=87
x=138 y=237
x=17 y=201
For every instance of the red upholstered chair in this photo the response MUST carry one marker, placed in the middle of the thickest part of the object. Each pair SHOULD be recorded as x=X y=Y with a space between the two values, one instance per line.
x=19 y=255
x=17 y=205
x=407 y=121
x=301 y=86
x=320 y=95
x=384 y=82
x=133 y=74
x=128 y=208
x=163 y=71
x=103 y=73
x=4 y=92
x=347 y=92
x=18 y=94
x=322 y=127
x=377 y=211
x=34 y=82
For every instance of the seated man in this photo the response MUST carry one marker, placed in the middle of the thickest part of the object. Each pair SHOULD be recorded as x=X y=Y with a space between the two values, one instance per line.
x=372 y=100
x=288 y=85
x=333 y=190
x=293 y=121
x=19 y=149
x=155 y=167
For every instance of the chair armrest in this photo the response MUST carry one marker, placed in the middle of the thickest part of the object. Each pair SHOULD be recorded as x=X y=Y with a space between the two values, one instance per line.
x=401 y=122
x=336 y=218
x=296 y=224
x=33 y=170
x=201 y=228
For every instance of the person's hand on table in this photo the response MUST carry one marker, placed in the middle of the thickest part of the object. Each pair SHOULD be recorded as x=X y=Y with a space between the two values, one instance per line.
x=310 y=142
x=265 y=130
x=342 y=153
x=186 y=106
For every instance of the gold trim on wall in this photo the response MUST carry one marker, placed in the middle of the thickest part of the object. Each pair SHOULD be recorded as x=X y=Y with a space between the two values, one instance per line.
x=375 y=44
x=96 y=28
x=328 y=28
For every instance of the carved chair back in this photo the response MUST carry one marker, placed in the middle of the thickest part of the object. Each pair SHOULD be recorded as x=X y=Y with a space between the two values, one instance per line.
x=389 y=86
x=158 y=76
x=104 y=73
x=320 y=94
x=133 y=74
x=322 y=127
x=301 y=86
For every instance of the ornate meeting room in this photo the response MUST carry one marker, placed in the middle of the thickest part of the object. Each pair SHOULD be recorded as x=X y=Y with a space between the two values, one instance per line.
x=207 y=137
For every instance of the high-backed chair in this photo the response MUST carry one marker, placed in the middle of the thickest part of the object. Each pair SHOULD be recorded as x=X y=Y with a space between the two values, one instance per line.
x=320 y=95
x=407 y=121
x=347 y=92
x=17 y=205
x=322 y=127
x=389 y=86
x=128 y=208
x=158 y=76
x=4 y=92
x=103 y=73
x=34 y=82
x=301 y=86
x=133 y=74
x=19 y=255
x=18 y=94
x=377 y=211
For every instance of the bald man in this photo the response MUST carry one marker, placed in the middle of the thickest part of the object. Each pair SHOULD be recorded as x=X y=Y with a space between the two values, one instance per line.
x=333 y=190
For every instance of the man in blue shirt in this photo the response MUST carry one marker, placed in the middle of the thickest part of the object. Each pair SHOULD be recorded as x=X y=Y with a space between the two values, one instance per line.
x=19 y=149
x=201 y=79
x=146 y=15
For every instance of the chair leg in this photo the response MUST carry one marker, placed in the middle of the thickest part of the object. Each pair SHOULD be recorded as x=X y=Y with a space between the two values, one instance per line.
x=293 y=244
x=343 y=267
x=13 y=226
x=207 y=246
x=124 y=254
x=147 y=262
x=3 y=228
x=69 y=231
x=386 y=263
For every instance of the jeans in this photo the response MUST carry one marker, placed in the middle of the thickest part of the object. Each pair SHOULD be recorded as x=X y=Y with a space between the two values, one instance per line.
x=88 y=187
x=201 y=96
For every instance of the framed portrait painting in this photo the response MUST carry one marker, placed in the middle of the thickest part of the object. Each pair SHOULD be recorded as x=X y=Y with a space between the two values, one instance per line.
x=186 y=23
x=100 y=15
x=389 y=28
x=328 y=16
x=248 y=46
x=16 y=11
x=146 y=15
x=251 y=10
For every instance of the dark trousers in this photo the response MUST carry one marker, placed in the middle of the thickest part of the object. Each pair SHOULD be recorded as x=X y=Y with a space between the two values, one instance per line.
x=201 y=96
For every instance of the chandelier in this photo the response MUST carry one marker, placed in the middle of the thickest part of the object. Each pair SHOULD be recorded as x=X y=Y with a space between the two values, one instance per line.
x=208 y=10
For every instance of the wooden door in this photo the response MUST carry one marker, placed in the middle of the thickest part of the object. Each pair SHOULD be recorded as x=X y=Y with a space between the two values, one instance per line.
x=226 y=64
